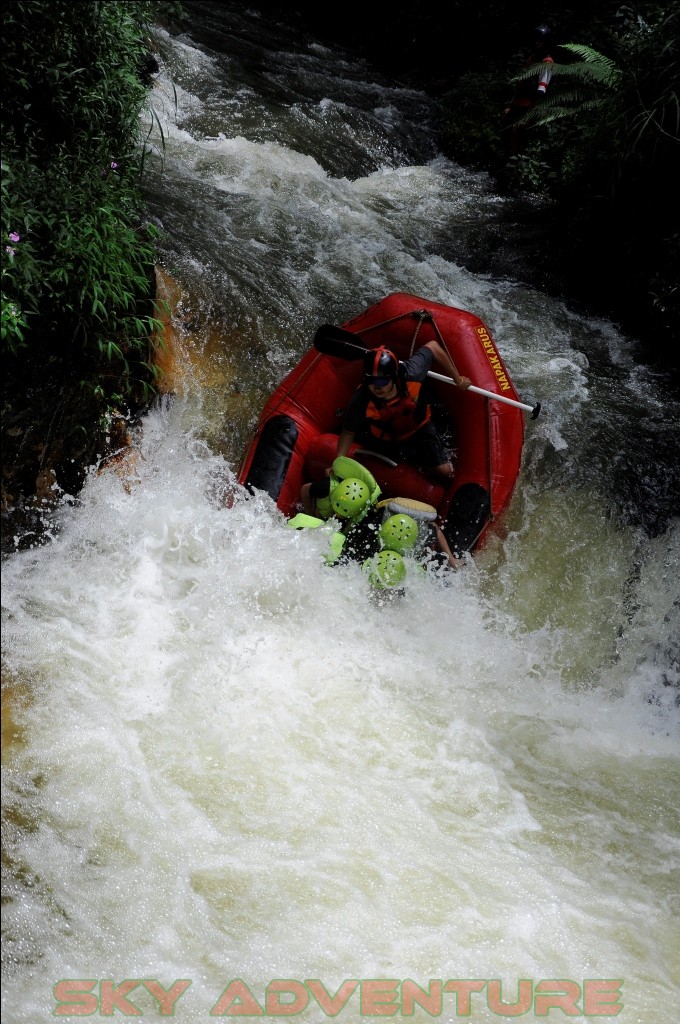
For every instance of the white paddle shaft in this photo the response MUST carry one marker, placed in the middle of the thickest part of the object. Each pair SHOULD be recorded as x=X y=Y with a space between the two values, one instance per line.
x=481 y=391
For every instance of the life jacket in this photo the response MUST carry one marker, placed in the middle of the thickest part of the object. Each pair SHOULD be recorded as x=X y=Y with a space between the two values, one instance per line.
x=400 y=417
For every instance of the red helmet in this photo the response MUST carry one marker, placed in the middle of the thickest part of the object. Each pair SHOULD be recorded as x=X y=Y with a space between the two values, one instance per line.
x=380 y=363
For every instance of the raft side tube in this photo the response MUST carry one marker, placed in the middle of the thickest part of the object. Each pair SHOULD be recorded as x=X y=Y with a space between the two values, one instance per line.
x=272 y=456
x=467 y=517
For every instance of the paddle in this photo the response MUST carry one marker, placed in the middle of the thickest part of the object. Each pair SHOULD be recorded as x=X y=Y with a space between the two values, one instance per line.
x=336 y=341
x=376 y=455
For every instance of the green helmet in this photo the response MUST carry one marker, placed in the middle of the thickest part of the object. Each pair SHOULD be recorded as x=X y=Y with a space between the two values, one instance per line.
x=399 y=533
x=350 y=497
x=386 y=569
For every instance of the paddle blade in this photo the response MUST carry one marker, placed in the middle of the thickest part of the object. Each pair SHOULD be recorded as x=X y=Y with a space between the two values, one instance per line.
x=335 y=341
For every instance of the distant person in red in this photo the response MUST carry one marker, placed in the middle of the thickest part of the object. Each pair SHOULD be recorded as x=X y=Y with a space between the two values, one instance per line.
x=528 y=91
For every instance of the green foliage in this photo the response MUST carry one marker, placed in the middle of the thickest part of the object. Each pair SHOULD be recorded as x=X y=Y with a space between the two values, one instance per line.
x=603 y=146
x=629 y=102
x=470 y=120
x=77 y=263
x=577 y=89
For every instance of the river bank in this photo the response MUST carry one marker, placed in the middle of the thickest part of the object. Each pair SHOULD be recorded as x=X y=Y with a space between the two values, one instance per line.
x=47 y=453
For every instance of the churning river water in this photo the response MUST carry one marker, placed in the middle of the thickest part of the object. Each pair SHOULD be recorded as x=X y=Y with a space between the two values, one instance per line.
x=226 y=760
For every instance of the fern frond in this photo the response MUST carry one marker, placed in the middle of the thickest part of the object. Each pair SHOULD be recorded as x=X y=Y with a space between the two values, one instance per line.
x=546 y=117
x=556 y=110
x=592 y=74
x=605 y=69
x=573 y=95
x=540 y=115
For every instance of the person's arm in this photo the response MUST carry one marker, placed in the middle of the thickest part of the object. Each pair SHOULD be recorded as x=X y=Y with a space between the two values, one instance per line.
x=444 y=546
x=443 y=359
x=345 y=442
x=307 y=500
x=545 y=76
x=352 y=421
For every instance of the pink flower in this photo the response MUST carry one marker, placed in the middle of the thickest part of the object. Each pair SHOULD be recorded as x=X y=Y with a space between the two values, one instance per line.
x=14 y=237
x=10 y=251
x=114 y=165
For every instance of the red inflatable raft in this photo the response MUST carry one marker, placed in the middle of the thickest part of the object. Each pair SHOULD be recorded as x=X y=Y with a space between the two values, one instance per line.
x=297 y=432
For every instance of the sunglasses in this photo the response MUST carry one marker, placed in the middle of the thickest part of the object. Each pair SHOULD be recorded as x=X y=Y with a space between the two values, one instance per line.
x=378 y=382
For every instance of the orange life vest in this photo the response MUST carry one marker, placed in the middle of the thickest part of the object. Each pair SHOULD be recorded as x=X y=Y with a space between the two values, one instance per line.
x=400 y=417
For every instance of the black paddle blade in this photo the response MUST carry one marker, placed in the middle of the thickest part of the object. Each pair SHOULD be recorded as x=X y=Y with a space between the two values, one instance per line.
x=336 y=341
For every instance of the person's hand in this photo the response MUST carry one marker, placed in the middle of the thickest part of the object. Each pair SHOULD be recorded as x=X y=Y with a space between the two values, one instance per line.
x=328 y=471
x=464 y=383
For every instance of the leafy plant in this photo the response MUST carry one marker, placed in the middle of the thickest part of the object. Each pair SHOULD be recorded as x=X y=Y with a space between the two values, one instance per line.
x=602 y=148
x=81 y=275
x=630 y=100
x=584 y=85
